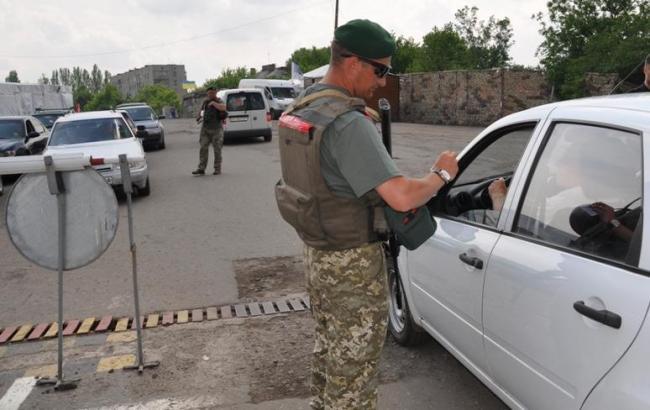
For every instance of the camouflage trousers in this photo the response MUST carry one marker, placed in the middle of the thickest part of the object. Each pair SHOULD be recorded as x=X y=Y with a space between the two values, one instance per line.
x=210 y=136
x=349 y=299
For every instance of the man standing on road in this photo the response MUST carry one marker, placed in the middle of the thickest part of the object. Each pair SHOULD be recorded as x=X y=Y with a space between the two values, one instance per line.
x=336 y=176
x=211 y=132
x=645 y=87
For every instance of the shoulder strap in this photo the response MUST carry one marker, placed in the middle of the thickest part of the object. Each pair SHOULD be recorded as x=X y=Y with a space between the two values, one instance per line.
x=319 y=94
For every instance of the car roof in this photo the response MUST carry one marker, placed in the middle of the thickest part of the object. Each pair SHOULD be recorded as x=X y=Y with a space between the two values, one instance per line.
x=238 y=90
x=91 y=115
x=15 y=117
x=51 y=111
x=133 y=104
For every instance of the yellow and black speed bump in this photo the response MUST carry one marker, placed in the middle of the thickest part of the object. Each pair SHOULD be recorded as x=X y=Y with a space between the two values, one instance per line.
x=110 y=324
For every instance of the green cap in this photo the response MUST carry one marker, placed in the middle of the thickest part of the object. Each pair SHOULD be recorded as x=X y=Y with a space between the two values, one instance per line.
x=365 y=38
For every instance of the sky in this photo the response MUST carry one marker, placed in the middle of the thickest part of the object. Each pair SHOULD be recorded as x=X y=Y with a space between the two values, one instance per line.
x=210 y=35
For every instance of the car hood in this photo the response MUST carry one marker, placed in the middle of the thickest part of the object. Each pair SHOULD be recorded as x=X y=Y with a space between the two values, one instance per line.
x=148 y=123
x=11 y=145
x=102 y=149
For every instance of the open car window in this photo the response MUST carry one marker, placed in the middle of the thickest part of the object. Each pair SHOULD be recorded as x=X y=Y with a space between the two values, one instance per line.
x=496 y=156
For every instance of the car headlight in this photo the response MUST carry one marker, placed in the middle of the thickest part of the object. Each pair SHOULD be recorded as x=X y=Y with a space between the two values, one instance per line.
x=137 y=164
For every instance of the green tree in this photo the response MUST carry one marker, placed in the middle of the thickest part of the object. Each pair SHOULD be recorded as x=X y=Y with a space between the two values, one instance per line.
x=592 y=36
x=107 y=98
x=55 y=78
x=310 y=58
x=82 y=96
x=158 y=96
x=107 y=77
x=406 y=55
x=488 y=42
x=43 y=80
x=442 y=49
x=12 y=77
x=96 y=79
x=229 y=78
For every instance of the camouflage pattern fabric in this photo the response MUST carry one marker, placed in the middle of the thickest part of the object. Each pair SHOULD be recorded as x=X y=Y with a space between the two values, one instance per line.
x=349 y=301
x=209 y=136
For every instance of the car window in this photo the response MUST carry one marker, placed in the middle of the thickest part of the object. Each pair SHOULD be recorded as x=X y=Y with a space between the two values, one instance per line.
x=38 y=126
x=245 y=101
x=30 y=127
x=586 y=191
x=83 y=131
x=496 y=156
x=11 y=129
x=283 y=92
x=123 y=129
x=48 y=119
x=141 y=113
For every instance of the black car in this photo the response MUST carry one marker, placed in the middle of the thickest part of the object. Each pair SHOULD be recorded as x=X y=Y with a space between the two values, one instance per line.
x=22 y=135
x=149 y=128
x=47 y=117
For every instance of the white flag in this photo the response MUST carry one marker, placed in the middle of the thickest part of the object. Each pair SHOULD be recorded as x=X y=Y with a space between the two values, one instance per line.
x=296 y=73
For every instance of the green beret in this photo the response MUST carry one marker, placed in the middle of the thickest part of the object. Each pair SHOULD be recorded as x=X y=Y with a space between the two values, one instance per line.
x=365 y=38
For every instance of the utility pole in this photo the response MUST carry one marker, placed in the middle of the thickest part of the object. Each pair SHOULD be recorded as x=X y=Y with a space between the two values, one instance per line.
x=336 y=15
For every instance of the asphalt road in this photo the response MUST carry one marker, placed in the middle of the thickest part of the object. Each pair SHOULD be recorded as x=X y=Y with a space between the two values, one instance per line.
x=188 y=231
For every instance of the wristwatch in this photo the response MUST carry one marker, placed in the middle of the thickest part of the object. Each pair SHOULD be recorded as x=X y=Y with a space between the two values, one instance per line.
x=442 y=173
x=614 y=223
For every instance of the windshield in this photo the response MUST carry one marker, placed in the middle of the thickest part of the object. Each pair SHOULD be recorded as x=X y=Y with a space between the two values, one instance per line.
x=141 y=113
x=79 y=132
x=283 y=92
x=48 y=119
x=11 y=130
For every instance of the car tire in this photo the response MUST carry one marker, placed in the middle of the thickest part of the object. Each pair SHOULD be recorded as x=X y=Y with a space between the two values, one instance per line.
x=267 y=138
x=161 y=144
x=146 y=190
x=400 y=322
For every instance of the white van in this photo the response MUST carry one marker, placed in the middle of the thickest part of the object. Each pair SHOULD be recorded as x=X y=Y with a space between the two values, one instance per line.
x=280 y=93
x=249 y=114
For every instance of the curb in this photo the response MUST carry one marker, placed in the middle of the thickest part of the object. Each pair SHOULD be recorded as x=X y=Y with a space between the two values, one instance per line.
x=110 y=324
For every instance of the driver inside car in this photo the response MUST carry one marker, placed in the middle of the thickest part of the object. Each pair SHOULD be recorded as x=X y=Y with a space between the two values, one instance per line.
x=497 y=190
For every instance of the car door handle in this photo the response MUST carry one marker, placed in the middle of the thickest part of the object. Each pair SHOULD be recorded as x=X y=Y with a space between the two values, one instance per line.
x=604 y=316
x=471 y=261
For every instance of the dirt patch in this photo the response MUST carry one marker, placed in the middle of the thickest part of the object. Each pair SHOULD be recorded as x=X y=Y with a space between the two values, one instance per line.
x=268 y=278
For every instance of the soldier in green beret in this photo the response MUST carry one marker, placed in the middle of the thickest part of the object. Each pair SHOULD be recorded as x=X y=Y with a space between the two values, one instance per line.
x=336 y=178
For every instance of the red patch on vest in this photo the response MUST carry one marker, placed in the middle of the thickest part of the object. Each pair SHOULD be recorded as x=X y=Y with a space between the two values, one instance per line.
x=295 y=123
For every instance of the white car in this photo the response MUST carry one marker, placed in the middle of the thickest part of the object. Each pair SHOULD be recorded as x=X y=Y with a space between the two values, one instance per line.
x=102 y=134
x=545 y=301
x=249 y=114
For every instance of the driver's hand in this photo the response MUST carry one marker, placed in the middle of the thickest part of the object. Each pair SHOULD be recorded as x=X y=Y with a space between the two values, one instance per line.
x=447 y=161
x=605 y=212
x=497 y=190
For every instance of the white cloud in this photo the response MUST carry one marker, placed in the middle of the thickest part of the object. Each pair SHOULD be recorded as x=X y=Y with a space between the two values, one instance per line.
x=245 y=33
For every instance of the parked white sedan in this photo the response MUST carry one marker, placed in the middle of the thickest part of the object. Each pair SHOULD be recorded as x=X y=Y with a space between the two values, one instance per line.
x=102 y=134
x=544 y=300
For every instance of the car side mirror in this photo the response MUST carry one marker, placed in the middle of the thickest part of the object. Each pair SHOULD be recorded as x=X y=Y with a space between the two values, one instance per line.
x=33 y=134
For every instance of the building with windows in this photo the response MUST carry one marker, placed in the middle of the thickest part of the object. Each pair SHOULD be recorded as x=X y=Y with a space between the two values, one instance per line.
x=169 y=75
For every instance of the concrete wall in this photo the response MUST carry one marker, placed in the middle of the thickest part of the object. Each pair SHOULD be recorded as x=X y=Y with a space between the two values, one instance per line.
x=192 y=104
x=24 y=99
x=479 y=97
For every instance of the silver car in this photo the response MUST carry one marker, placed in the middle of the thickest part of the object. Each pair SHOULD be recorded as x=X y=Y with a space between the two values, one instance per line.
x=102 y=134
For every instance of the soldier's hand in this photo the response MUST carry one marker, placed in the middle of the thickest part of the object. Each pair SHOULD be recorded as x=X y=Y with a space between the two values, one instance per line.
x=447 y=161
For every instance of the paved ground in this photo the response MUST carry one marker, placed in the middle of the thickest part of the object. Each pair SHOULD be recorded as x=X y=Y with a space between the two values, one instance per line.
x=207 y=242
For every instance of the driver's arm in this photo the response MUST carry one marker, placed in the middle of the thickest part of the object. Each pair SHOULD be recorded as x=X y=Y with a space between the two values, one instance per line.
x=403 y=194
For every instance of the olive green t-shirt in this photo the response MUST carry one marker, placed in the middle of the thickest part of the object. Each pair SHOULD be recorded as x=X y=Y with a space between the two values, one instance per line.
x=353 y=157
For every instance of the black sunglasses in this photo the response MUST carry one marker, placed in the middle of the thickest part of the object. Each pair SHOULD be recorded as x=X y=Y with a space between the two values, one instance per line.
x=381 y=70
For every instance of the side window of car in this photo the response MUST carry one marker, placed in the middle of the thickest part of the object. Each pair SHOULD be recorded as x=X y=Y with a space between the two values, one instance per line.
x=585 y=193
x=497 y=156
x=123 y=129
x=30 y=127
x=38 y=126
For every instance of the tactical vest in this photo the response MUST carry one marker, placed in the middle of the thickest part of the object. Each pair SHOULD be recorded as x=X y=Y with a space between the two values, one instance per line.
x=323 y=220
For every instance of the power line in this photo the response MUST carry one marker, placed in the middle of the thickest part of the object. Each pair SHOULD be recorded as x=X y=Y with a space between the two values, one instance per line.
x=169 y=43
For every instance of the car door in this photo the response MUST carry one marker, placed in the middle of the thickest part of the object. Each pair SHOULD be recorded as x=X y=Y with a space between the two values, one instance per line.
x=445 y=273
x=257 y=111
x=564 y=295
x=39 y=143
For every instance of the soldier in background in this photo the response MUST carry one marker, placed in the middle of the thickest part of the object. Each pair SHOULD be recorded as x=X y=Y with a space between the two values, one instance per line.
x=336 y=175
x=211 y=132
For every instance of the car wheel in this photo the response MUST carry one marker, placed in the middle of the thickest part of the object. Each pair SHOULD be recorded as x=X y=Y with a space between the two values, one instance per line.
x=161 y=144
x=146 y=190
x=267 y=138
x=400 y=321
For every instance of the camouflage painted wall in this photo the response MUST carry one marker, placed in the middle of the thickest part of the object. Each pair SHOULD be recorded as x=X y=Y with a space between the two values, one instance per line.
x=479 y=97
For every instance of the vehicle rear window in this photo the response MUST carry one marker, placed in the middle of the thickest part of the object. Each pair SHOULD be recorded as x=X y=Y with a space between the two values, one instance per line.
x=245 y=101
x=82 y=131
x=141 y=113
x=11 y=129
x=48 y=119
x=283 y=92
